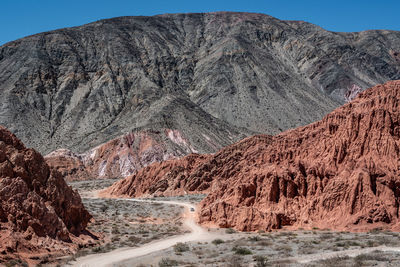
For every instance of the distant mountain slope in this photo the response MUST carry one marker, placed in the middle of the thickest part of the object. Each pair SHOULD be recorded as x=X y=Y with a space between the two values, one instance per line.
x=241 y=73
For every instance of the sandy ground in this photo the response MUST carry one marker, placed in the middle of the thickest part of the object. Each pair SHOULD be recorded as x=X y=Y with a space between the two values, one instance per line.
x=320 y=247
x=197 y=233
x=335 y=254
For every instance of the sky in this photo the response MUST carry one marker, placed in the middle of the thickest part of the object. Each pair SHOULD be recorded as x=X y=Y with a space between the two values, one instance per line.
x=21 y=18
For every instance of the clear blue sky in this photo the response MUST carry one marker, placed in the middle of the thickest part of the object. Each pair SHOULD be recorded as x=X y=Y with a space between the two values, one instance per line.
x=20 y=18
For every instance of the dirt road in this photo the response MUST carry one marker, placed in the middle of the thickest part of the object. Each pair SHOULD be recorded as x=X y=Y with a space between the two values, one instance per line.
x=197 y=233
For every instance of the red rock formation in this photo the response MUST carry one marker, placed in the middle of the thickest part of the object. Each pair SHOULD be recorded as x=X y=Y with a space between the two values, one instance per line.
x=340 y=173
x=39 y=212
x=120 y=157
x=172 y=177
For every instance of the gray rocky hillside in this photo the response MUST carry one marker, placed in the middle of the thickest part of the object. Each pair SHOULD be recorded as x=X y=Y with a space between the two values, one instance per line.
x=219 y=75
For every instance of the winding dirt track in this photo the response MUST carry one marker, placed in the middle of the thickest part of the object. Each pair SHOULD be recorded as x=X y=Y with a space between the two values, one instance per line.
x=197 y=233
x=108 y=259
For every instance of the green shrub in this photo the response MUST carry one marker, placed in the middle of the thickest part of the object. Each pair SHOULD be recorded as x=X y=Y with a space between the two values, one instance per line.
x=97 y=249
x=254 y=238
x=16 y=263
x=230 y=231
x=370 y=257
x=217 y=241
x=261 y=261
x=167 y=262
x=181 y=247
x=242 y=251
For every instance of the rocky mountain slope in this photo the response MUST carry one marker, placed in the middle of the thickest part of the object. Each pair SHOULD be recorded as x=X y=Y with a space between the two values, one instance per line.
x=125 y=155
x=40 y=215
x=341 y=172
x=213 y=77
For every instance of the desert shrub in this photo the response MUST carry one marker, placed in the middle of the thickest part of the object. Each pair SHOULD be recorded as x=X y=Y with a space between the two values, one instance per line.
x=230 y=231
x=167 y=262
x=254 y=238
x=371 y=243
x=266 y=243
x=375 y=230
x=284 y=248
x=348 y=243
x=234 y=261
x=97 y=249
x=334 y=261
x=103 y=208
x=325 y=236
x=181 y=247
x=242 y=251
x=16 y=263
x=375 y=256
x=217 y=241
x=261 y=261
x=134 y=239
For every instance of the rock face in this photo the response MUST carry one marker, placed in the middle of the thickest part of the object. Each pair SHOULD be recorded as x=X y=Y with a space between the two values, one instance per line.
x=216 y=76
x=342 y=172
x=168 y=178
x=39 y=212
x=123 y=156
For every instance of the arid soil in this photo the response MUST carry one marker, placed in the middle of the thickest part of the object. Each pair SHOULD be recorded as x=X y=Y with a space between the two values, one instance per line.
x=41 y=217
x=297 y=248
x=228 y=247
x=340 y=173
x=112 y=258
x=125 y=223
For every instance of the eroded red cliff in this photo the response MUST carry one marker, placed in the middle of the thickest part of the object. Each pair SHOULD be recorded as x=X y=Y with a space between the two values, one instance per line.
x=39 y=213
x=339 y=173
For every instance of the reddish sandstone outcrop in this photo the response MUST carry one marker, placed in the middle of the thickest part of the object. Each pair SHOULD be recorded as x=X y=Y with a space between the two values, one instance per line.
x=172 y=177
x=39 y=213
x=121 y=156
x=342 y=172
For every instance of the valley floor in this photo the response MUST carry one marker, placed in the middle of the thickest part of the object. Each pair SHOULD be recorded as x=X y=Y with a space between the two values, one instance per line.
x=160 y=228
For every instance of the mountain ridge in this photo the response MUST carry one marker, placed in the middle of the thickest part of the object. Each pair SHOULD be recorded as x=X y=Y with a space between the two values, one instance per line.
x=80 y=87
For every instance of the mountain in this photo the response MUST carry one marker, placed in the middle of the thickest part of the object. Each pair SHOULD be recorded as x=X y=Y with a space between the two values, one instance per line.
x=40 y=215
x=218 y=76
x=341 y=172
x=125 y=155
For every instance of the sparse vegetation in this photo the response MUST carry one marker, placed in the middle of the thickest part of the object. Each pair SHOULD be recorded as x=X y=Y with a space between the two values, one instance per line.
x=261 y=261
x=181 y=247
x=167 y=262
x=374 y=256
x=217 y=241
x=230 y=231
x=333 y=262
x=18 y=263
x=242 y=251
x=254 y=238
x=135 y=224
